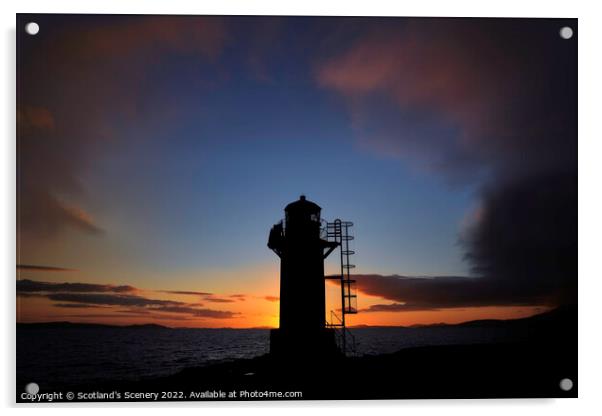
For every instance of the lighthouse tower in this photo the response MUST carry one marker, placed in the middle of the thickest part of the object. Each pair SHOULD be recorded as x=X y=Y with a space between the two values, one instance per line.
x=303 y=328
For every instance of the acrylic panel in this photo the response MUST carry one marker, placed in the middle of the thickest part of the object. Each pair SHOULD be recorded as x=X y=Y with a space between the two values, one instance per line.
x=295 y=208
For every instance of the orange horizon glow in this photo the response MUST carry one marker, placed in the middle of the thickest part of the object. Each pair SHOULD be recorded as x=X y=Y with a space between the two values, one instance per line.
x=44 y=313
x=252 y=310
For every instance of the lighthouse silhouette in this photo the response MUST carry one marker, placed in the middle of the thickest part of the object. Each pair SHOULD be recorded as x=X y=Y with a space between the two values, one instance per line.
x=304 y=330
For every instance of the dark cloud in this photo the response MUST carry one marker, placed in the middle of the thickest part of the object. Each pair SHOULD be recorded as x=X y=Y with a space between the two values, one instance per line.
x=186 y=292
x=428 y=293
x=116 y=315
x=26 y=285
x=239 y=296
x=525 y=240
x=175 y=309
x=37 y=268
x=491 y=102
x=30 y=295
x=188 y=309
x=218 y=300
x=394 y=307
x=210 y=313
x=271 y=298
x=109 y=299
x=75 y=305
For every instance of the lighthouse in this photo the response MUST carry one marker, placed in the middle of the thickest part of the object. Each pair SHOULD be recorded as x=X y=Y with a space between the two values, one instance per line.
x=302 y=244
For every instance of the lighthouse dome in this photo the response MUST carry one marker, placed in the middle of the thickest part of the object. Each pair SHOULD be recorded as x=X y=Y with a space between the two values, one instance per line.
x=302 y=205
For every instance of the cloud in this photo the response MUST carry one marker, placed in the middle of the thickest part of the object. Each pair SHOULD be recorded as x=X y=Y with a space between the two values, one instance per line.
x=420 y=93
x=218 y=300
x=185 y=292
x=38 y=268
x=44 y=214
x=175 y=309
x=79 y=218
x=109 y=299
x=89 y=295
x=123 y=315
x=26 y=285
x=210 y=313
x=440 y=292
x=490 y=103
x=97 y=77
x=179 y=308
x=209 y=297
x=35 y=118
x=271 y=298
x=74 y=305
x=526 y=237
x=394 y=307
x=30 y=295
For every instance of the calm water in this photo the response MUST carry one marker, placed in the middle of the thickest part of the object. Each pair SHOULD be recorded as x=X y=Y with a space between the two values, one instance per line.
x=86 y=355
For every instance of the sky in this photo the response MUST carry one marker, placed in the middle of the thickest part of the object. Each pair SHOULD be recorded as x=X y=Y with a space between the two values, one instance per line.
x=155 y=153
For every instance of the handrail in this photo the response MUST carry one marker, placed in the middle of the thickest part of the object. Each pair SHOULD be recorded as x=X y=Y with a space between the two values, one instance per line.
x=332 y=313
x=341 y=332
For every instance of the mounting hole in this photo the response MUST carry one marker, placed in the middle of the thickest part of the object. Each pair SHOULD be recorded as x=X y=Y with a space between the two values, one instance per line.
x=32 y=388
x=32 y=28
x=566 y=32
x=566 y=384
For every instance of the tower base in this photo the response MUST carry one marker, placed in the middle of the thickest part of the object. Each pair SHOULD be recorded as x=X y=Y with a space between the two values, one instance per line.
x=295 y=344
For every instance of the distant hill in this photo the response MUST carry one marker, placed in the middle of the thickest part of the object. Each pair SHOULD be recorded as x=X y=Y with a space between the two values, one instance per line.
x=65 y=324
x=560 y=315
x=563 y=315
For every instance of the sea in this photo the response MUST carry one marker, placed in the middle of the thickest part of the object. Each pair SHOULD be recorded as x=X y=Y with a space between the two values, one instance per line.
x=75 y=355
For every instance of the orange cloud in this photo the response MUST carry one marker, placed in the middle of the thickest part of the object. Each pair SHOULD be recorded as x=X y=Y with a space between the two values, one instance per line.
x=35 y=118
x=80 y=218
x=456 y=96
x=428 y=64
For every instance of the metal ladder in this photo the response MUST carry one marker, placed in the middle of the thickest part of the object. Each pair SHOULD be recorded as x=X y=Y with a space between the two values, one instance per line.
x=338 y=232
